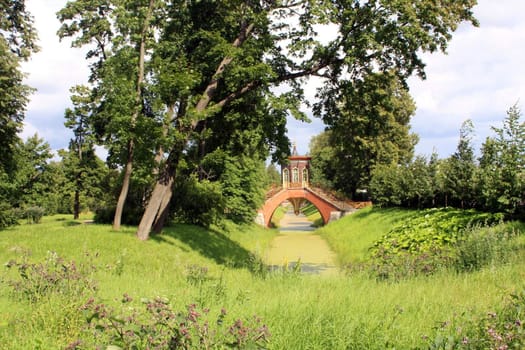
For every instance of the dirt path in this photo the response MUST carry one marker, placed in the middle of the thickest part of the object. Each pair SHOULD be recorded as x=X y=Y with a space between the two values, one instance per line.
x=297 y=243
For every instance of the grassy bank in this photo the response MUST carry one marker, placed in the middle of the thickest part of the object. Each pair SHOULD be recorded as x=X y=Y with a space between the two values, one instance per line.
x=216 y=269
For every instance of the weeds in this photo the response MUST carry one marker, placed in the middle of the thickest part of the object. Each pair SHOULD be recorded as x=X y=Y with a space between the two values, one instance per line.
x=159 y=326
x=501 y=330
x=54 y=276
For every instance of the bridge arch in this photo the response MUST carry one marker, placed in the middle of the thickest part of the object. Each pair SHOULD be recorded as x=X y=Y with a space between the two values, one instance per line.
x=325 y=207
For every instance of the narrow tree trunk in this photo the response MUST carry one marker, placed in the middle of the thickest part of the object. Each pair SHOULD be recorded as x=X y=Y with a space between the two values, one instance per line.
x=76 y=205
x=125 y=187
x=129 y=162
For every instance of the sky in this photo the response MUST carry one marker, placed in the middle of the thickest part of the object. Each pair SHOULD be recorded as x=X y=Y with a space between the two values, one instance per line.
x=480 y=78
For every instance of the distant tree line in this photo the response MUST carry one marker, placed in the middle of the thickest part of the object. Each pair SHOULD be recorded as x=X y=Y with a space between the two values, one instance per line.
x=494 y=181
x=380 y=168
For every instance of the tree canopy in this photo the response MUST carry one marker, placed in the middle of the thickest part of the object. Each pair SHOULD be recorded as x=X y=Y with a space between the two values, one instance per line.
x=212 y=74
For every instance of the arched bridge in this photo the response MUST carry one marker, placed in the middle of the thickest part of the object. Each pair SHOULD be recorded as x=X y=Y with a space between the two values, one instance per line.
x=329 y=208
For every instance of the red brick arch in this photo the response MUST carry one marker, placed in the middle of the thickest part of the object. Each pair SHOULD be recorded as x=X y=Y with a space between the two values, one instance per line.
x=325 y=207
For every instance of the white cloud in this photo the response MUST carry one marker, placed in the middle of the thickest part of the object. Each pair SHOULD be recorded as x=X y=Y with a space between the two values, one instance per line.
x=480 y=78
x=52 y=71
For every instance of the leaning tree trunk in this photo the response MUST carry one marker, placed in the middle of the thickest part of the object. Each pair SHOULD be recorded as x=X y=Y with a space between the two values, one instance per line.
x=162 y=215
x=125 y=187
x=129 y=162
x=162 y=190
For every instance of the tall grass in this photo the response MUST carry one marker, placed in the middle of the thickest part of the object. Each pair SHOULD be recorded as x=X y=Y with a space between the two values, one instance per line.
x=213 y=268
x=352 y=236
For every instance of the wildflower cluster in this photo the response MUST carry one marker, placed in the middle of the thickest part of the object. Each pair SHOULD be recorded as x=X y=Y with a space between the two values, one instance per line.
x=500 y=330
x=161 y=327
x=53 y=276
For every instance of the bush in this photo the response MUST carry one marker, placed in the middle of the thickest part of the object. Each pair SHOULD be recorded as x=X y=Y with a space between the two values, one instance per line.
x=159 y=326
x=34 y=214
x=54 y=276
x=481 y=246
x=130 y=216
x=8 y=216
x=437 y=239
x=198 y=202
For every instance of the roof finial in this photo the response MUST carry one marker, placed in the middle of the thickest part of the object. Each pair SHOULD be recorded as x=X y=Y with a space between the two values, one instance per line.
x=294 y=150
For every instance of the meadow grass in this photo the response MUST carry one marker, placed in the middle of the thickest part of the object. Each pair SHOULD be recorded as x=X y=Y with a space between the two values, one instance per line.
x=353 y=235
x=214 y=268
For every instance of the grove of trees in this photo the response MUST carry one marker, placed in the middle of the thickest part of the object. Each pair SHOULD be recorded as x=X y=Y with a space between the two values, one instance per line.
x=494 y=181
x=191 y=97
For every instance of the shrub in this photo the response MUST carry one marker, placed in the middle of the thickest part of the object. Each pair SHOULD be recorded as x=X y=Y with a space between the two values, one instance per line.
x=8 y=216
x=34 y=214
x=130 y=216
x=436 y=239
x=501 y=329
x=481 y=246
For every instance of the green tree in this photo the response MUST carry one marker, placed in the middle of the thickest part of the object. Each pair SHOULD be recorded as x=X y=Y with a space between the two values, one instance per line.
x=32 y=158
x=273 y=176
x=81 y=160
x=122 y=35
x=323 y=164
x=375 y=35
x=216 y=55
x=369 y=124
x=502 y=166
x=458 y=170
x=17 y=43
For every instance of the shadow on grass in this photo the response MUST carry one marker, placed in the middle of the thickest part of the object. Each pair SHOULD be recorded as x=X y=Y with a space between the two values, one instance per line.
x=69 y=223
x=209 y=243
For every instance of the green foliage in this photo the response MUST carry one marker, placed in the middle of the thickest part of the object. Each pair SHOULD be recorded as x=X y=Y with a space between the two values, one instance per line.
x=198 y=202
x=494 y=184
x=8 y=216
x=160 y=326
x=34 y=215
x=17 y=43
x=369 y=126
x=482 y=246
x=435 y=239
x=502 y=167
x=301 y=311
x=37 y=281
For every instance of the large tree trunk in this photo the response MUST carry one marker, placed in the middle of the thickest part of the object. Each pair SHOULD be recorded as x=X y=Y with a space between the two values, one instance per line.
x=129 y=162
x=161 y=192
x=164 y=209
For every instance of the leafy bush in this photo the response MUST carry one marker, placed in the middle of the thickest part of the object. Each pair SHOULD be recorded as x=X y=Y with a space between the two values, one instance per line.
x=34 y=214
x=54 y=276
x=198 y=202
x=8 y=216
x=430 y=241
x=130 y=216
x=481 y=246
